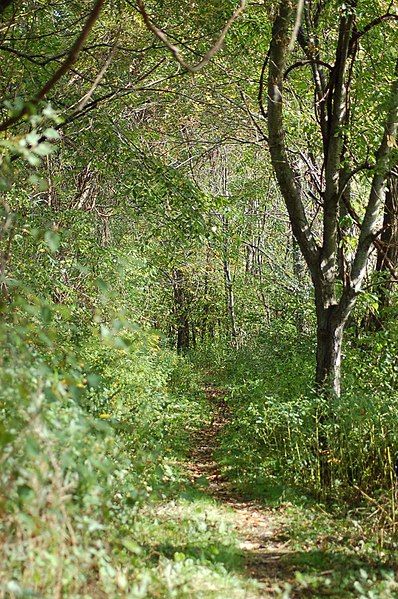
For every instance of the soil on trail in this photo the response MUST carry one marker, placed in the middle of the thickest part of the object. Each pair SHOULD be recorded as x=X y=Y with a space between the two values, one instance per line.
x=260 y=530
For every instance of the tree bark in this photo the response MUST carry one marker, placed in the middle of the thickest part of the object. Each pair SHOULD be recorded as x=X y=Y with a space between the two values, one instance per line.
x=299 y=273
x=328 y=352
x=332 y=308
x=332 y=312
x=181 y=311
x=329 y=332
x=387 y=257
x=229 y=290
x=389 y=239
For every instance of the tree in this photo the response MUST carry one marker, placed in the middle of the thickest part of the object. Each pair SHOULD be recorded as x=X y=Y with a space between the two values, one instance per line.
x=334 y=299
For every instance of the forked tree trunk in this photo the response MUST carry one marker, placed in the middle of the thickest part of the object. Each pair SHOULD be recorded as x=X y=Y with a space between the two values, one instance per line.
x=322 y=259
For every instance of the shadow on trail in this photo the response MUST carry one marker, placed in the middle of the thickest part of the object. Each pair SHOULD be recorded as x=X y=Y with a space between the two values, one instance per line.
x=265 y=551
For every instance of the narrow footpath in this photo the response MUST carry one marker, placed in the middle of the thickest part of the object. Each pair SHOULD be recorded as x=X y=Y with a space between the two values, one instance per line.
x=260 y=530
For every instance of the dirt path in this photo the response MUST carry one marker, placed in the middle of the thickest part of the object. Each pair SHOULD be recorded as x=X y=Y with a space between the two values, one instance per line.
x=260 y=530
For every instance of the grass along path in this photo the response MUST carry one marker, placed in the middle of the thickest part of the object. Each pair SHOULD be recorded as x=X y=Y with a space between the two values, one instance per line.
x=295 y=549
x=207 y=542
x=210 y=542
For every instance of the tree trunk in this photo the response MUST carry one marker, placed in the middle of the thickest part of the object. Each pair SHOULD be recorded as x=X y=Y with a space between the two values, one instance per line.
x=229 y=291
x=206 y=301
x=230 y=300
x=181 y=311
x=299 y=273
x=328 y=354
x=389 y=239
x=330 y=329
x=387 y=257
x=322 y=259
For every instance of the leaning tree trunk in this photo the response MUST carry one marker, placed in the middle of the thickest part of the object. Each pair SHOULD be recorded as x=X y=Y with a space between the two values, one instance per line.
x=387 y=256
x=387 y=259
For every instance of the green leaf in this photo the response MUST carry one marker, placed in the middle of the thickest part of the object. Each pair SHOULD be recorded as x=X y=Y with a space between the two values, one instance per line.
x=132 y=546
x=51 y=133
x=52 y=239
x=44 y=149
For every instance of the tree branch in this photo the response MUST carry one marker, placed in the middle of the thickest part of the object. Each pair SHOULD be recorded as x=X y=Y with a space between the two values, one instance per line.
x=376 y=199
x=378 y=244
x=63 y=68
x=337 y=99
x=282 y=168
x=297 y=24
x=303 y=63
x=175 y=50
x=261 y=86
x=378 y=21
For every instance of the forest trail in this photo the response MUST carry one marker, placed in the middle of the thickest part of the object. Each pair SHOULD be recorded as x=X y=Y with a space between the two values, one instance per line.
x=260 y=531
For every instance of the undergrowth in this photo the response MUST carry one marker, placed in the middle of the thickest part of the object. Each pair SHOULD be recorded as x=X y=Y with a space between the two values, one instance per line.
x=334 y=554
x=84 y=444
x=271 y=440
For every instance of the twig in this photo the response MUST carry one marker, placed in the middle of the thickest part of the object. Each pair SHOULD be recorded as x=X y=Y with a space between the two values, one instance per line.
x=297 y=23
x=83 y=102
x=63 y=69
x=374 y=502
x=175 y=50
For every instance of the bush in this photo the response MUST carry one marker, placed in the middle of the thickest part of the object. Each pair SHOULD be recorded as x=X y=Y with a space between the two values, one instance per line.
x=81 y=448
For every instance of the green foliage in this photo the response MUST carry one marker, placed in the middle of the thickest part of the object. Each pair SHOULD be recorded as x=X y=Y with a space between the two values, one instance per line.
x=141 y=201
x=74 y=475
x=95 y=410
x=336 y=555
x=281 y=420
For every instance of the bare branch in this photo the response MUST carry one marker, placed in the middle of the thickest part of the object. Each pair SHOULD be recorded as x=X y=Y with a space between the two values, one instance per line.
x=261 y=86
x=297 y=23
x=85 y=99
x=378 y=21
x=303 y=63
x=175 y=50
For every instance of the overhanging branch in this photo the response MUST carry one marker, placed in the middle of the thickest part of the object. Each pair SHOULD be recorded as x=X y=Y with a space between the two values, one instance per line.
x=62 y=69
x=175 y=51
